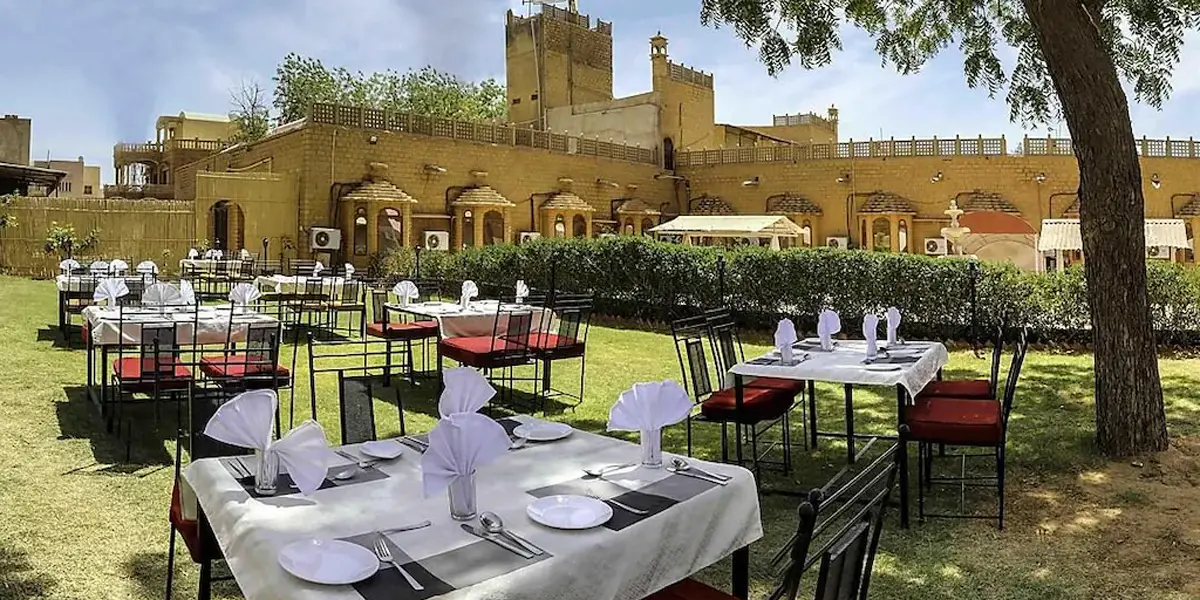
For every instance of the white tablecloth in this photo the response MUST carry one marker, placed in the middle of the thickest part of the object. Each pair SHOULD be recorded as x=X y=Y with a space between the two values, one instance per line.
x=478 y=320
x=595 y=564
x=108 y=326
x=287 y=284
x=918 y=364
x=210 y=264
x=83 y=283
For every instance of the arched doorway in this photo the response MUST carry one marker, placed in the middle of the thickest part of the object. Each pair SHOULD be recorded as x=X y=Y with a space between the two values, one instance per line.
x=647 y=225
x=578 y=226
x=389 y=230
x=668 y=154
x=493 y=228
x=218 y=215
x=360 y=231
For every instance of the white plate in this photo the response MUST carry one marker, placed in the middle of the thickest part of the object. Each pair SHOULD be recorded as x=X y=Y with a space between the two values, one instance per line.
x=569 y=512
x=385 y=449
x=542 y=431
x=329 y=562
x=884 y=368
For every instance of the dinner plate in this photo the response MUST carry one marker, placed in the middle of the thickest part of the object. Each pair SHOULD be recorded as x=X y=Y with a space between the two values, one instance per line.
x=542 y=431
x=328 y=562
x=568 y=511
x=882 y=367
x=385 y=449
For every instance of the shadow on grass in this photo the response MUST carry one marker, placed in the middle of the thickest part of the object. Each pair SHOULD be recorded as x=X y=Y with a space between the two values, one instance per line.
x=19 y=580
x=79 y=418
x=54 y=336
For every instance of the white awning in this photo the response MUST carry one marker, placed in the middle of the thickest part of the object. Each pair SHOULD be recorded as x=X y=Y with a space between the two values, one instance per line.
x=764 y=226
x=1063 y=234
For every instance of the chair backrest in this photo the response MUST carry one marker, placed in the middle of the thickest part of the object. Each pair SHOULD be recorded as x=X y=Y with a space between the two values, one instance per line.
x=723 y=336
x=137 y=286
x=301 y=267
x=690 y=334
x=350 y=292
x=997 y=351
x=356 y=404
x=839 y=529
x=1014 y=372
x=573 y=312
x=158 y=349
x=512 y=330
x=379 y=300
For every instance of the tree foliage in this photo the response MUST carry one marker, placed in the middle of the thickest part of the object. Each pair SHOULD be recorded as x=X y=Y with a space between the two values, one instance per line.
x=301 y=81
x=64 y=241
x=1144 y=36
x=6 y=219
x=250 y=115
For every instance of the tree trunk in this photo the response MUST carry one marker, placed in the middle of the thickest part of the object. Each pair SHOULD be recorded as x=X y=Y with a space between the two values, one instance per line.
x=1129 y=405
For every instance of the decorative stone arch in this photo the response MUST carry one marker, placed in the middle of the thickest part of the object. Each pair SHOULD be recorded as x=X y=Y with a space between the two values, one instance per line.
x=370 y=207
x=573 y=213
x=226 y=226
x=634 y=214
x=801 y=211
x=705 y=204
x=470 y=212
x=879 y=221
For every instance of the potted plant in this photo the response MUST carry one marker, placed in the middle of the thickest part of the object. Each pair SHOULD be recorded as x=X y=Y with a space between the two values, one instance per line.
x=64 y=241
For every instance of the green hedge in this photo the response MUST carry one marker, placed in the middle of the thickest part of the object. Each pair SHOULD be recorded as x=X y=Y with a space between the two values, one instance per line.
x=641 y=279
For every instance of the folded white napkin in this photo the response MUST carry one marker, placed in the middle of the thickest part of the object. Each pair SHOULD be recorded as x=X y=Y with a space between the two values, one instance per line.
x=187 y=294
x=785 y=336
x=219 y=254
x=98 y=267
x=317 y=268
x=405 y=291
x=210 y=254
x=349 y=271
x=243 y=294
x=109 y=290
x=147 y=267
x=459 y=445
x=871 y=333
x=246 y=421
x=893 y=325
x=649 y=406
x=67 y=265
x=828 y=325
x=244 y=254
x=522 y=291
x=466 y=391
x=162 y=294
x=469 y=291
x=118 y=267
x=193 y=254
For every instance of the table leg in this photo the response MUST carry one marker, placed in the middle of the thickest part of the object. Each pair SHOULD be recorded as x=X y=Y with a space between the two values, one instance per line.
x=902 y=456
x=850 y=454
x=812 y=412
x=102 y=371
x=741 y=573
x=739 y=398
x=62 y=315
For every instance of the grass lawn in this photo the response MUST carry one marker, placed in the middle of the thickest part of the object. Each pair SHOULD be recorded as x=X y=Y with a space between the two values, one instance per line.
x=76 y=521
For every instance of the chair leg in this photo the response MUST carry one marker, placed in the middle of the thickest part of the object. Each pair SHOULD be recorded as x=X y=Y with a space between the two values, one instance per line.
x=922 y=477
x=387 y=369
x=812 y=412
x=204 y=591
x=689 y=436
x=412 y=367
x=724 y=442
x=1000 y=482
x=170 y=564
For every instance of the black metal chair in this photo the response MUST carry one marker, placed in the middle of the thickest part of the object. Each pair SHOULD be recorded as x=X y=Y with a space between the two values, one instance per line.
x=964 y=422
x=838 y=532
x=510 y=345
x=563 y=338
x=152 y=368
x=255 y=365
x=384 y=326
x=359 y=385
x=757 y=410
x=981 y=389
x=347 y=298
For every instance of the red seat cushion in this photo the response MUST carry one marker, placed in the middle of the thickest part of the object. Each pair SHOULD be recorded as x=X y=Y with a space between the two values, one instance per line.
x=793 y=386
x=552 y=345
x=961 y=421
x=689 y=589
x=959 y=388
x=758 y=404
x=237 y=366
x=417 y=330
x=480 y=351
x=135 y=368
x=188 y=529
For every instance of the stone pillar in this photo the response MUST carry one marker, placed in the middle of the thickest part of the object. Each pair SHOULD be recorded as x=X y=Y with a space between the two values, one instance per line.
x=587 y=218
x=508 y=225
x=894 y=233
x=477 y=220
x=456 y=236
x=407 y=220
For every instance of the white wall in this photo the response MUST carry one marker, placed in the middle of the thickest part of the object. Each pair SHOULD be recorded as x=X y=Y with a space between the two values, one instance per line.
x=633 y=120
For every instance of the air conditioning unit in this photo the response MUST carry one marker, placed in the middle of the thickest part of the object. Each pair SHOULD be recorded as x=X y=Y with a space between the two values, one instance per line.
x=324 y=238
x=841 y=243
x=437 y=240
x=1159 y=252
x=937 y=246
x=527 y=236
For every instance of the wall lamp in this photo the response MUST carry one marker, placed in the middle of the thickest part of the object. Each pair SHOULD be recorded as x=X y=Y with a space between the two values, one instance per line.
x=844 y=178
x=751 y=182
x=1040 y=178
x=374 y=139
x=1155 y=181
x=611 y=184
x=669 y=176
x=936 y=177
x=434 y=169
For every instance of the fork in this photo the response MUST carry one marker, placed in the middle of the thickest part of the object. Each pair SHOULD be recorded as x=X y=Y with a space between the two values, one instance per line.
x=385 y=556
x=618 y=504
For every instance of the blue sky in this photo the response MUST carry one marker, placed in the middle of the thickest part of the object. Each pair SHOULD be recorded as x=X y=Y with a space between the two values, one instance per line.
x=93 y=72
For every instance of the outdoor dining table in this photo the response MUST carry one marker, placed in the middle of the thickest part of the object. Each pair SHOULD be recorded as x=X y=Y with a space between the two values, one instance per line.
x=79 y=287
x=691 y=524
x=481 y=318
x=293 y=284
x=232 y=265
x=907 y=366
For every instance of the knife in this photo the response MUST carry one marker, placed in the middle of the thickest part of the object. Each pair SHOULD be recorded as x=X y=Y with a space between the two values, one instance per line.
x=688 y=473
x=721 y=476
x=495 y=539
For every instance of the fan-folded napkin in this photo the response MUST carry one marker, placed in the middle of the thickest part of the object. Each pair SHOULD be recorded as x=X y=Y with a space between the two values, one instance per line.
x=785 y=336
x=893 y=325
x=317 y=268
x=349 y=271
x=118 y=267
x=193 y=254
x=522 y=291
x=828 y=325
x=67 y=265
x=243 y=294
x=466 y=391
x=147 y=267
x=871 y=333
x=187 y=294
x=109 y=290
x=162 y=294
x=458 y=445
x=244 y=254
x=649 y=406
x=469 y=291
x=246 y=421
x=405 y=291
x=98 y=267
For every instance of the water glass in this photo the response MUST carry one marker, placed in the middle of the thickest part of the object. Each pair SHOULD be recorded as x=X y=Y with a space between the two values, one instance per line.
x=652 y=448
x=462 y=498
x=266 y=477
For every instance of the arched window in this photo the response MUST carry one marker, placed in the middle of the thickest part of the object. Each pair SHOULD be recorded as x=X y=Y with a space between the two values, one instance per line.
x=668 y=154
x=628 y=226
x=579 y=226
x=389 y=230
x=360 y=231
x=903 y=235
x=468 y=229
x=560 y=226
x=493 y=228
x=806 y=236
x=881 y=235
x=647 y=225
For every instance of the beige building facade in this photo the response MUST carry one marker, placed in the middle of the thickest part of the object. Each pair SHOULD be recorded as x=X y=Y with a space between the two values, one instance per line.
x=82 y=180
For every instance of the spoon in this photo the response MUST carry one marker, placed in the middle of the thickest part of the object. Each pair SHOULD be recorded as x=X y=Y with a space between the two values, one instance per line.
x=682 y=465
x=362 y=464
x=600 y=472
x=492 y=523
